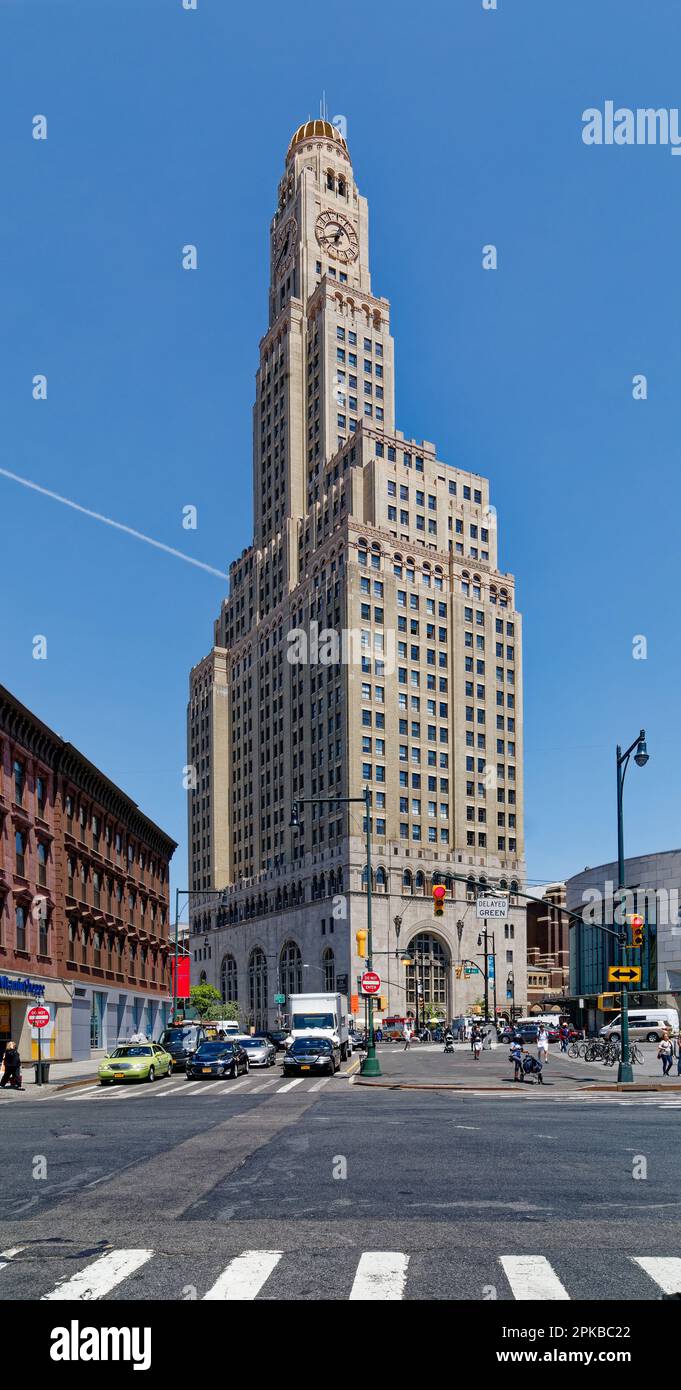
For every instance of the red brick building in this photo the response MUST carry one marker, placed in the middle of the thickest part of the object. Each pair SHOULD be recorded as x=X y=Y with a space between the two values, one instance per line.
x=84 y=885
x=548 y=947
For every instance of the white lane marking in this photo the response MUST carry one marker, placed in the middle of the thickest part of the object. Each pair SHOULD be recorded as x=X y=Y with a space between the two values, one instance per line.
x=381 y=1275
x=318 y=1084
x=99 y=1277
x=297 y=1081
x=230 y=1087
x=244 y=1276
x=265 y=1086
x=532 y=1277
x=665 y=1271
x=7 y=1255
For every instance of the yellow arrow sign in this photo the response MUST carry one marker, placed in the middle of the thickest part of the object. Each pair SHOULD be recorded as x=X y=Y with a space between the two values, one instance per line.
x=624 y=974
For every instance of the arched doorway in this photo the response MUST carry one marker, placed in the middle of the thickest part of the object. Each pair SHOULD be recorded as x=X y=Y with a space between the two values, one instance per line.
x=431 y=972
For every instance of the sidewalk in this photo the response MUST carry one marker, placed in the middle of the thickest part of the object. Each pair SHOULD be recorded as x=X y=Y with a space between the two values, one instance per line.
x=62 y=1073
x=427 y=1065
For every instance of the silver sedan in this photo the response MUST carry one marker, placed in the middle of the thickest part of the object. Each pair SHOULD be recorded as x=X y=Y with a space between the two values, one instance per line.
x=261 y=1052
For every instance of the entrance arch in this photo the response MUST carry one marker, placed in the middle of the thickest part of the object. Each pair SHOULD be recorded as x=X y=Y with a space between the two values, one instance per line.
x=431 y=969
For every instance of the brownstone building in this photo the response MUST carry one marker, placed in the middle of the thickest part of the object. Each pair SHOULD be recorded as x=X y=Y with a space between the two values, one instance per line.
x=84 y=884
x=548 y=946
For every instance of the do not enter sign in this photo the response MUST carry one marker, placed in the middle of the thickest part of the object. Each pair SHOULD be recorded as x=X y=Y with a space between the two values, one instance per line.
x=39 y=1017
x=370 y=982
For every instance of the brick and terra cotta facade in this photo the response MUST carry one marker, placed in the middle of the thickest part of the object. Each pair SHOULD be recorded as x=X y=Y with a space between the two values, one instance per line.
x=84 y=921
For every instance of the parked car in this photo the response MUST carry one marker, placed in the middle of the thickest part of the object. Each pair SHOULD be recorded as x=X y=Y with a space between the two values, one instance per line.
x=261 y=1052
x=526 y=1032
x=181 y=1041
x=216 y=1059
x=312 y=1054
x=277 y=1036
x=358 y=1040
x=135 y=1062
x=553 y=1034
x=507 y=1035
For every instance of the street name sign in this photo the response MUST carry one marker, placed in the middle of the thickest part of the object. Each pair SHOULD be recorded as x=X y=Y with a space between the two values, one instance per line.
x=280 y=998
x=39 y=1018
x=491 y=906
x=624 y=974
x=370 y=982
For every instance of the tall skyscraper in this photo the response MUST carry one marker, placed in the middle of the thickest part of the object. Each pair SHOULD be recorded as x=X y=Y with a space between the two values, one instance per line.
x=368 y=639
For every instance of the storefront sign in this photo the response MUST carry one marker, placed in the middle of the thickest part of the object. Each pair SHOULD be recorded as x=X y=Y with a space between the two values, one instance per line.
x=10 y=986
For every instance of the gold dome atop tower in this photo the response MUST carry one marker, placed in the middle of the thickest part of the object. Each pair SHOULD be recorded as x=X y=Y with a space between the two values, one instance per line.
x=317 y=130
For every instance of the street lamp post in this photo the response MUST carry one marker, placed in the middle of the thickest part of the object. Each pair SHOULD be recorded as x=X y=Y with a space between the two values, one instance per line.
x=370 y=1065
x=625 y=1070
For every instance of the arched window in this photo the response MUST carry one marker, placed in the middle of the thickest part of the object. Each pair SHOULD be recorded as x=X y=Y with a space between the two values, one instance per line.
x=203 y=978
x=329 y=967
x=381 y=879
x=407 y=881
x=470 y=889
x=228 y=980
x=430 y=970
x=420 y=882
x=257 y=986
x=290 y=969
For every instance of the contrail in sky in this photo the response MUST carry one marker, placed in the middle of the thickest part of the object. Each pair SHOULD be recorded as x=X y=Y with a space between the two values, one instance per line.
x=97 y=516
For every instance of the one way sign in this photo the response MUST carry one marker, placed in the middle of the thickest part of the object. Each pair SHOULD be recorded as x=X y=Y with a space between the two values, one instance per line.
x=624 y=974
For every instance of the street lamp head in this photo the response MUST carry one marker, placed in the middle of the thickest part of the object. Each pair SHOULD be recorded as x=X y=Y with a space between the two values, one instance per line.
x=294 y=823
x=641 y=755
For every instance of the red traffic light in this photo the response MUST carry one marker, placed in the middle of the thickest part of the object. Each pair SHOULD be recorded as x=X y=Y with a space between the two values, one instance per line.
x=439 y=895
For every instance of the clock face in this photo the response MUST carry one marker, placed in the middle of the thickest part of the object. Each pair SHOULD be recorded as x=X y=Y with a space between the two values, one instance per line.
x=284 y=243
x=336 y=234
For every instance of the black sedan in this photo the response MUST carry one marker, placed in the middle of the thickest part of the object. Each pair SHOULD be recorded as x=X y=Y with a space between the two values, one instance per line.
x=312 y=1055
x=217 y=1059
x=277 y=1036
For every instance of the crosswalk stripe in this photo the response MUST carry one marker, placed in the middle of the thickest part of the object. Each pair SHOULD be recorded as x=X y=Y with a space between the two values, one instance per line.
x=244 y=1276
x=664 y=1270
x=319 y=1084
x=297 y=1081
x=532 y=1277
x=101 y=1276
x=265 y=1086
x=381 y=1276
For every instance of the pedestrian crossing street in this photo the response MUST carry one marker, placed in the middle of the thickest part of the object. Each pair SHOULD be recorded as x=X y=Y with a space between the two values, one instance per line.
x=377 y=1276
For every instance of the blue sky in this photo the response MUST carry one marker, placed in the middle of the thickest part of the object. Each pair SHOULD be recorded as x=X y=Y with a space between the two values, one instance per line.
x=464 y=125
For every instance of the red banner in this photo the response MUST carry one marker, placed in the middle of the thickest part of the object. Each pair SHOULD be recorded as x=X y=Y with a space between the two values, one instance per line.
x=183 y=987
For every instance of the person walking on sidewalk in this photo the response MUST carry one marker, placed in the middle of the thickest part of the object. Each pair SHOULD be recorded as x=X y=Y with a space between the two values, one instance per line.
x=475 y=1035
x=543 y=1045
x=665 y=1054
x=12 y=1068
x=564 y=1037
x=408 y=1034
x=477 y=1045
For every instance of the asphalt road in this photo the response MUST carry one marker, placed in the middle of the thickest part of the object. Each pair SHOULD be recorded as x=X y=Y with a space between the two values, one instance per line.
x=459 y=1189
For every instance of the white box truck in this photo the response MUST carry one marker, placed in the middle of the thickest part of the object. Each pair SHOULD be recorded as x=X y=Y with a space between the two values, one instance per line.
x=320 y=1015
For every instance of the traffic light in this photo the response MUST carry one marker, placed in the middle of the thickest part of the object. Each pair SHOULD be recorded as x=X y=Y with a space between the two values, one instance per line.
x=361 y=943
x=458 y=971
x=609 y=1002
x=439 y=895
x=636 y=923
